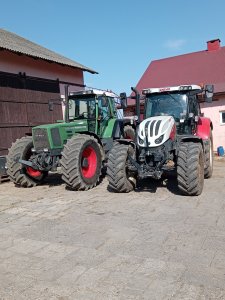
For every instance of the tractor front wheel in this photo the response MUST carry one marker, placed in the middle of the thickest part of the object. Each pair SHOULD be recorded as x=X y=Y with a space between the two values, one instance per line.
x=81 y=162
x=120 y=180
x=19 y=174
x=190 y=168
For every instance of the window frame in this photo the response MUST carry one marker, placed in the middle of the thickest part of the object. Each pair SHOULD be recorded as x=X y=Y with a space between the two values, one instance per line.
x=221 y=117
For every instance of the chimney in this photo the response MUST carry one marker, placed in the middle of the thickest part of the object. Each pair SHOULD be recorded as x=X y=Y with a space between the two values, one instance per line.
x=213 y=45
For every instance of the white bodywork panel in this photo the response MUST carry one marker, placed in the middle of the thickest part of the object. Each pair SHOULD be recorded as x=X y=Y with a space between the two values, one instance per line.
x=95 y=92
x=153 y=128
x=172 y=89
x=106 y=93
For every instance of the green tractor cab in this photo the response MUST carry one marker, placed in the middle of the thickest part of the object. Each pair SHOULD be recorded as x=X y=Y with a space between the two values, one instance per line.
x=79 y=144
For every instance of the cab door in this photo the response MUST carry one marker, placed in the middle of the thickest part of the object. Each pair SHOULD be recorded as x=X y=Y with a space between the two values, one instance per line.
x=104 y=114
x=92 y=112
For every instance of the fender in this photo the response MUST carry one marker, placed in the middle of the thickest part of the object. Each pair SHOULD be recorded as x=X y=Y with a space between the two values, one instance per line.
x=92 y=134
x=126 y=142
x=204 y=128
x=190 y=138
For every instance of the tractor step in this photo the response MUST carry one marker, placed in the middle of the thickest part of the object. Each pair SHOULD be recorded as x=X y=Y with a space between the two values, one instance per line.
x=3 y=175
x=4 y=178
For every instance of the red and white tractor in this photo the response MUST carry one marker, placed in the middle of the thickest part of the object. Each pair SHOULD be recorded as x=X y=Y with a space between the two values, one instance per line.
x=174 y=136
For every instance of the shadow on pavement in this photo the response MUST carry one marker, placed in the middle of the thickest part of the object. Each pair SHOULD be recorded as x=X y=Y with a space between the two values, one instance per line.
x=145 y=185
x=53 y=179
x=151 y=185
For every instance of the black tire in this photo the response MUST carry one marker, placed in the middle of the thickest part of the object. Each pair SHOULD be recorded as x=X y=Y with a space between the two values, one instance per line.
x=209 y=158
x=80 y=150
x=17 y=173
x=190 y=169
x=117 y=170
x=129 y=132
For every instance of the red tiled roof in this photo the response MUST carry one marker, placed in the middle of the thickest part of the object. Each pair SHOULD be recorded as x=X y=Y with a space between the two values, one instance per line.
x=207 y=67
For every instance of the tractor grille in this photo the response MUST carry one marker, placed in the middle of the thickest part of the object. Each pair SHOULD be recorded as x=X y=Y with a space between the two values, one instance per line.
x=56 y=139
x=154 y=127
x=157 y=127
x=40 y=138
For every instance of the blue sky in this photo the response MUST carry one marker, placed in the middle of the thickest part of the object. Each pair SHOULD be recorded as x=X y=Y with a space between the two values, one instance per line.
x=117 y=38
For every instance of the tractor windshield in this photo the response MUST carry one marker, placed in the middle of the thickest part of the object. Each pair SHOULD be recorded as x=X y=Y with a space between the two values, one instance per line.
x=82 y=108
x=166 y=104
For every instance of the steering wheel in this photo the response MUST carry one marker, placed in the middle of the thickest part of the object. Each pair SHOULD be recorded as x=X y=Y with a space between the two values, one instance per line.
x=84 y=115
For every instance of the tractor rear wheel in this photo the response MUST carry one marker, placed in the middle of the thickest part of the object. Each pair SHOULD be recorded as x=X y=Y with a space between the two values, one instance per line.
x=209 y=158
x=190 y=168
x=19 y=174
x=129 y=132
x=81 y=162
x=117 y=172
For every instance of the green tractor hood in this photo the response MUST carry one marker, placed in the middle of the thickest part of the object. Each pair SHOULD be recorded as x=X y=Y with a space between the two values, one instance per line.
x=54 y=136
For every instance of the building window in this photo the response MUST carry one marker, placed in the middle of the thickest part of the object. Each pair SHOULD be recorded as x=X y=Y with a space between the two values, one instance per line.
x=222 y=117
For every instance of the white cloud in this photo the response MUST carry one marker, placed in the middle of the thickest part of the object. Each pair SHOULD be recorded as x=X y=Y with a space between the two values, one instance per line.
x=175 y=44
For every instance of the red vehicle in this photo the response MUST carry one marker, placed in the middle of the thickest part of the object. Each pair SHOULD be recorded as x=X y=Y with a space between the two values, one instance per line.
x=173 y=136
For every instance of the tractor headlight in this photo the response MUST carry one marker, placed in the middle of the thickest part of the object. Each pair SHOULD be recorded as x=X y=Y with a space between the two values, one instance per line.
x=159 y=140
x=141 y=142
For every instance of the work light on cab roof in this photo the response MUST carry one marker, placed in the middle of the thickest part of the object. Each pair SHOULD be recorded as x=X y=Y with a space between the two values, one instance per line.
x=172 y=89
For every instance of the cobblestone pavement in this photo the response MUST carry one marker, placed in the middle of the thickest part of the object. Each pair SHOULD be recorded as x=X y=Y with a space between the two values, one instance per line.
x=148 y=244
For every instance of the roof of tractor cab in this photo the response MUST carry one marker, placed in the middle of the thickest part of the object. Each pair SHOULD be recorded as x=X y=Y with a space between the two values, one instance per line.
x=97 y=92
x=179 y=88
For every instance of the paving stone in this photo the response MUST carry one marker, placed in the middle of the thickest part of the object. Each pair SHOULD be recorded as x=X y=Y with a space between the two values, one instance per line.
x=26 y=246
x=161 y=289
x=151 y=243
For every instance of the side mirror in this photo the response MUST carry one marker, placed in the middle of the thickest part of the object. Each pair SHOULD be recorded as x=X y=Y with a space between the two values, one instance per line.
x=209 y=89
x=123 y=100
x=50 y=106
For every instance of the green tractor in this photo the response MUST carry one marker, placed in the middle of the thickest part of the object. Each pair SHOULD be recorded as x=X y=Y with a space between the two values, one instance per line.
x=79 y=145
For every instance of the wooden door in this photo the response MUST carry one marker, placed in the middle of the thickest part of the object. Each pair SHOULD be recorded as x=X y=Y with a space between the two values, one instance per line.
x=24 y=104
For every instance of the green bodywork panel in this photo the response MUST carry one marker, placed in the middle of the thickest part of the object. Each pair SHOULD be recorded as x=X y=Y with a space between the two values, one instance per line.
x=66 y=131
x=107 y=133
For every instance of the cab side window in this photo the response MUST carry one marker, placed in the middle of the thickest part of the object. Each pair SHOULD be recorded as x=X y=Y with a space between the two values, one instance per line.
x=103 y=107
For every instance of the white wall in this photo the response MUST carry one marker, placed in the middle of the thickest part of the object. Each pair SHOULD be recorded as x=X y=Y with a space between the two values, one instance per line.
x=212 y=111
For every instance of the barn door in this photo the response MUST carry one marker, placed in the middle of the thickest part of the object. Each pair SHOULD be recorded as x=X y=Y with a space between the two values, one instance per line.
x=38 y=94
x=24 y=104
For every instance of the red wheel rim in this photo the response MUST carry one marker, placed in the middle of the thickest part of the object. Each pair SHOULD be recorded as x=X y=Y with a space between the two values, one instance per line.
x=33 y=173
x=128 y=137
x=90 y=156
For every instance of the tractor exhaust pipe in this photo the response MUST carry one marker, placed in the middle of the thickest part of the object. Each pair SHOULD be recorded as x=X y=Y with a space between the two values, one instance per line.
x=137 y=97
x=67 y=103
